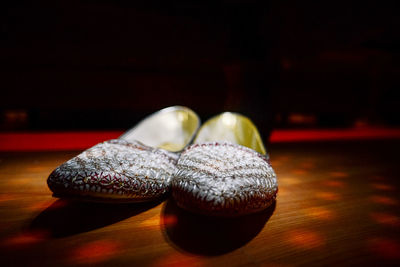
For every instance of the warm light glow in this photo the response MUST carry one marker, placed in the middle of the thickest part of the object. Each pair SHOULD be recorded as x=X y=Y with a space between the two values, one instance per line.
x=378 y=178
x=39 y=168
x=328 y=196
x=304 y=119
x=276 y=163
x=307 y=165
x=339 y=174
x=384 y=200
x=384 y=187
x=15 y=116
x=26 y=238
x=333 y=183
x=20 y=181
x=384 y=247
x=299 y=172
x=282 y=158
x=386 y=218
x=7 y=197
x=178 y=259
x=289 y=180
x=95 y=252
x=170 y=220
x=154 y=221
x=151 y=222
x=283 y=191
x=305 y=239
x=320 y=213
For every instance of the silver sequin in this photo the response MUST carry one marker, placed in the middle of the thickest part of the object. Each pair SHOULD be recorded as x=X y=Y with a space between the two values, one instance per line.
x=223 y=179
x=116 y=170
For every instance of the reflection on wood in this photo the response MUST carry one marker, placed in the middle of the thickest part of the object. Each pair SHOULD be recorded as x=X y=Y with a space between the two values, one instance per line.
x=338 y=203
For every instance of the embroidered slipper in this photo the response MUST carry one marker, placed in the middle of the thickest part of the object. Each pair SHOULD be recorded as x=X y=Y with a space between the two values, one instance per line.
x=226 y=172
x=136 y=167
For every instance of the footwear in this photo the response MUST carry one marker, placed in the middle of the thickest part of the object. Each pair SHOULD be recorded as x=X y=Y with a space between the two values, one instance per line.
x=136 y=167
x=226 y=172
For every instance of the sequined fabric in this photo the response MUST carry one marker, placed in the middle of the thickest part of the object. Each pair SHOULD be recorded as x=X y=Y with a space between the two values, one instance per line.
x=223 y=179
x=116 y=170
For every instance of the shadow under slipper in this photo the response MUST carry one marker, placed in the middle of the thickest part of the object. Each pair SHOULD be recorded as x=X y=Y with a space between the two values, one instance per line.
x=204 y=235
x=67 y=217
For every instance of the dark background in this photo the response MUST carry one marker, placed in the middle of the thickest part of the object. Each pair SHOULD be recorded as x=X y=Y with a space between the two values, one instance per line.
x=69 y=65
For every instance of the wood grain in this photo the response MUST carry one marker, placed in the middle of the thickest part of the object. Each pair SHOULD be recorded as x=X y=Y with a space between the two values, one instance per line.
x=338 y=204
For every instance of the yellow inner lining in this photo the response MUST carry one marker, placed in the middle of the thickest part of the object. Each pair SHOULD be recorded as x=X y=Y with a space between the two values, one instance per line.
x=170 y=129
x=231 y=127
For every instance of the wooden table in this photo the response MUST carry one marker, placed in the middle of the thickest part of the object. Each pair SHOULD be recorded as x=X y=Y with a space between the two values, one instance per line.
x=338 y=204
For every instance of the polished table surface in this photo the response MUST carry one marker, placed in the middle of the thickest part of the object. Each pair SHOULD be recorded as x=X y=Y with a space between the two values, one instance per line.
x=338 y=204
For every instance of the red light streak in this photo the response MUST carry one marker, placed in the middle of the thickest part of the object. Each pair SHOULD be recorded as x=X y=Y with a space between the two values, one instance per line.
x=177 y=260
x=320 y=213
x=386 y=218
x=384 y=187
x=95 y=252
x=305 y=239
x=26 y=238
x=384 y=200
x=385 y=247
x=42 y=141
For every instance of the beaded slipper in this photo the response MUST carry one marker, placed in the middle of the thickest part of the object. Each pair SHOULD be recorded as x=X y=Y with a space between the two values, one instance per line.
x=136 y=167
x=226 y=172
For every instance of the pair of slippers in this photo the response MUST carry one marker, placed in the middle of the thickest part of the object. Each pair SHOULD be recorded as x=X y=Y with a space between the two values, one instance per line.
x=218 y=169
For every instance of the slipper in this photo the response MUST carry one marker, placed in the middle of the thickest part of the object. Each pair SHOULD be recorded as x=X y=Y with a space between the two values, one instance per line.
x=136 y=167
x=226 y=172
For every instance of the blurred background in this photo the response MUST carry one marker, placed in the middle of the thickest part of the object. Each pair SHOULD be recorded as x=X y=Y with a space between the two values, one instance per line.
x=83 y=65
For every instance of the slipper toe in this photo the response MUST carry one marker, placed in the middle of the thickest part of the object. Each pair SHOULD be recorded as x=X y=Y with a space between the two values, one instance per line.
x=223 y=179
x=115 y=170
